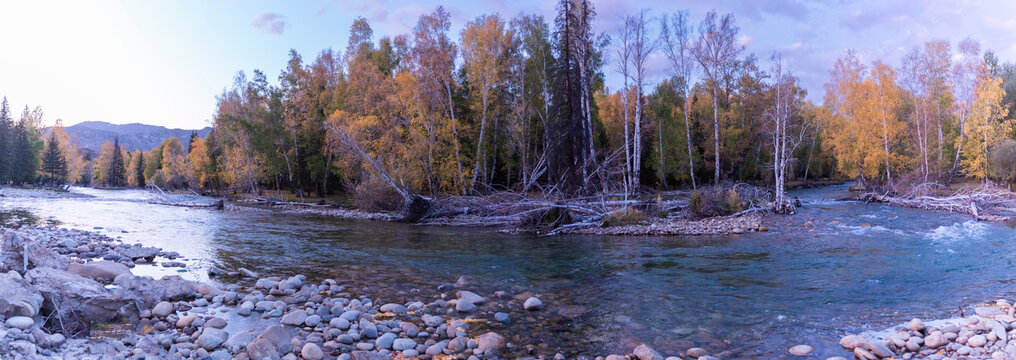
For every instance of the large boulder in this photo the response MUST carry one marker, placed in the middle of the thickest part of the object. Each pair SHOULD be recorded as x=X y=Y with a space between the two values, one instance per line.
x=17 y=296
x=102 y=271
x=140 y=252
x=272 y=342
x=148 y=292
x=21 y=252
x=77 y=297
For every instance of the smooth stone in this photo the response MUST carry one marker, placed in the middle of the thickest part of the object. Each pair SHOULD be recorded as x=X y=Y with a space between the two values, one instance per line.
x=469 y=296
x=532 y=304
x=431 y=320
x=20 y=322
x=162 y=309
x=502 y=318
x=644 y=352
x=403 y=344
x=879 y=349
x=186 y=321
x=801 y=350
x=295 y=318
x=313 y=320
x=489 y=341
x=864 y=354
x=977 y=341
x=312 y=352
x=368 y=329
x=464 y=306
x=916 y=324
x=934 y=341
x=385 y=341
x=211 y=338
x=339 y=323
x=695 y=352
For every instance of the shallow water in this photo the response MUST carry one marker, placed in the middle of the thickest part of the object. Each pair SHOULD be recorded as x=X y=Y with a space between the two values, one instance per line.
x=856 y=267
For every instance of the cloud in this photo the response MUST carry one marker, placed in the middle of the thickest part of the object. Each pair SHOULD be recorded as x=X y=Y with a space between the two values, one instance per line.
x=270 y=22
x=322 y=11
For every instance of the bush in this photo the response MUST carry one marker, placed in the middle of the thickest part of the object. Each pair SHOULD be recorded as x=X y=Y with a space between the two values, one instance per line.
x=1002 y=161
x=711 y=202
x=627 y=216
x=372 y=195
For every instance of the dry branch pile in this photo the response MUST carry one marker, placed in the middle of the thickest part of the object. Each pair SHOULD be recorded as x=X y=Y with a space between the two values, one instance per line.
x=983 y=203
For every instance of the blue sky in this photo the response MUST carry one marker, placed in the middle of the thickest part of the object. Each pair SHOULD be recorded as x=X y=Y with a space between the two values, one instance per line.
x=163 y=62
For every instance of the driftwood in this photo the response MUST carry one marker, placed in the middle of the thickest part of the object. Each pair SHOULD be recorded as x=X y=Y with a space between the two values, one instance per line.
x=983 y=203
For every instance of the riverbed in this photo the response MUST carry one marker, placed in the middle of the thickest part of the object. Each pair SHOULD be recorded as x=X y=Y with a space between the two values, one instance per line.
x=834 y=268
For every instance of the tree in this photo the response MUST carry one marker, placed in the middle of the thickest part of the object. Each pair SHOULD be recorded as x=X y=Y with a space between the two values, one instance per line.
x=27 y=145
x=54 y=164
x=985 y=126
x=117 y=170
x=965 y=82
x=137 y=170
x=786 y=135
x=676 y=33
x=882 y=109
x=483 y=46
x=6 y=142
x=717 y=51
x=572 y=128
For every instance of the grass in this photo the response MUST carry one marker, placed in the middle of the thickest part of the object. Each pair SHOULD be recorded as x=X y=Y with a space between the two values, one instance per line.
x=626 y=216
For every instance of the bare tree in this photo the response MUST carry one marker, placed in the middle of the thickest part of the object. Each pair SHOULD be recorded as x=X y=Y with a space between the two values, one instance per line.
x=965 y=83
x=785 y=134
x=676 y=35
x=624 y=55
x=717 y=51
x=642 y=47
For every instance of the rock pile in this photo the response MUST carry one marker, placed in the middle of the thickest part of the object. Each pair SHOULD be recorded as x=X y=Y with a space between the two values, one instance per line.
x=987 y=334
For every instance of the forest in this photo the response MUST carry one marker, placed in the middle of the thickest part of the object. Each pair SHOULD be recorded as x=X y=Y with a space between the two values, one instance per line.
x=520 y=105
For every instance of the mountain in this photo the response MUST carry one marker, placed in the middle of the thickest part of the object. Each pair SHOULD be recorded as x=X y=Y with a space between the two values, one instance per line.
x=92 y=134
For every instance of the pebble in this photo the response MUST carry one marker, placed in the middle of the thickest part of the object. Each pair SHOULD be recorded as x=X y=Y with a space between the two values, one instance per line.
x=20 y=322
x=311 y=351
x=532 y=304
x=801 y=350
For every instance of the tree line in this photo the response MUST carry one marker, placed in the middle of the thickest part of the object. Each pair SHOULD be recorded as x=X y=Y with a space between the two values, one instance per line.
x=520 y=104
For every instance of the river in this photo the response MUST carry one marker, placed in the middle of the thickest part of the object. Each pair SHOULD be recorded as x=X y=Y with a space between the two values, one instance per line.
x=834 y=268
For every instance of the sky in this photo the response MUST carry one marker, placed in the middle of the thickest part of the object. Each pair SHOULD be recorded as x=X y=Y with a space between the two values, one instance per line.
x=163 y=62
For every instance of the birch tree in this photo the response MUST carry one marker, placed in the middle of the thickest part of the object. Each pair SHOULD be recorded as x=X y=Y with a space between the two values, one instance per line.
x=717 y=51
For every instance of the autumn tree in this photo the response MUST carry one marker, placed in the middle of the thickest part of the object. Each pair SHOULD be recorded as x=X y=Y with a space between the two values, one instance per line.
x=136 y=170
x=965 y=83
x=985 y=127
x=785 y=133
x=483 y=45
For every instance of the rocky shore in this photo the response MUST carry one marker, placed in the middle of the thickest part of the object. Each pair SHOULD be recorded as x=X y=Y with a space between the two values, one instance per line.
x=707 y=226
x=989 y=333
x=70 y=294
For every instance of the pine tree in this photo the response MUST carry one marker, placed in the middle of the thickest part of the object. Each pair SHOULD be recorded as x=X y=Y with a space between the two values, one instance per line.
x=571 y=132
x=6 y=130
x=26 y=147
x=117 y=173
x=54 y=165
x=138 y=170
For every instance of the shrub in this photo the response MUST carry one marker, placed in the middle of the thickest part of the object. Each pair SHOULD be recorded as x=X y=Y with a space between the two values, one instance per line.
x=711 y=202
x=1002 y=161
x=627 y=216
x=372 y=195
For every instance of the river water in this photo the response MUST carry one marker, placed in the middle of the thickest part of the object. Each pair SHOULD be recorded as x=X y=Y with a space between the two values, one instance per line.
x=836 y=267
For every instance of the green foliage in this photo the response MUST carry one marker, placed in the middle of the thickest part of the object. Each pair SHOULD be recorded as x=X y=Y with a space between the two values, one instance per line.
x=54 y=165
x=116 y=175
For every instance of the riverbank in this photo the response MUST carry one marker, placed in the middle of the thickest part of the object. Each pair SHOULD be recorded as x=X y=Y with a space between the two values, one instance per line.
x=982 y=203
x=71 y=294
x=987 y=334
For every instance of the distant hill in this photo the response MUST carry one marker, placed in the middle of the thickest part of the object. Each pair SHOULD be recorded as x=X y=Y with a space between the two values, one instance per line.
x=92 y=134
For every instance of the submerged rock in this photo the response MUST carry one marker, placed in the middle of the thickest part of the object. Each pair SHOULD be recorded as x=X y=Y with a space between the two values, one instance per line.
x=533 y=304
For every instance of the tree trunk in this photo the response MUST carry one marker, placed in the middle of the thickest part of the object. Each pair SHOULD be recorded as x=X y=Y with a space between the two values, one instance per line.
x=687 y=133
x=716 y=137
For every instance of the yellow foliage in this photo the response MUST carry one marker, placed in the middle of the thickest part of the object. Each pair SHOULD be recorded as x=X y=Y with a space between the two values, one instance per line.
x=985 y=127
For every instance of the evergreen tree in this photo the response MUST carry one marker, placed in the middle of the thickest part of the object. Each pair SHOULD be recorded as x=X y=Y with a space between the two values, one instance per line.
x=138 y=171
x=6 y=129
x=117 y=171
x=572 y=128
x=54 y=165
x=26 y=147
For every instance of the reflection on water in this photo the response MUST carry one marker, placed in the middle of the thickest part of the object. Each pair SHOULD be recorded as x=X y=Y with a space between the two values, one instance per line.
x=834 y=268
